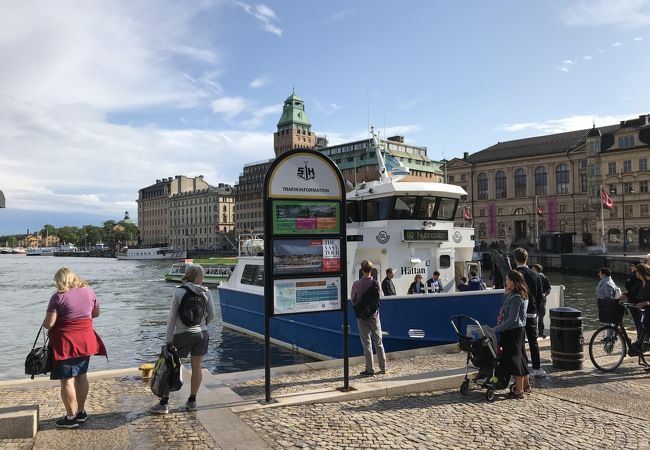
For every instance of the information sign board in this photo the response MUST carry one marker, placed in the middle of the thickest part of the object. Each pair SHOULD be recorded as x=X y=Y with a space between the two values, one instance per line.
x=305 y=217
x=306 y=295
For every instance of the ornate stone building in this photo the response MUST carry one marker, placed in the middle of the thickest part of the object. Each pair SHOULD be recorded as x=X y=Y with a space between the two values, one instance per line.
x=519 y=190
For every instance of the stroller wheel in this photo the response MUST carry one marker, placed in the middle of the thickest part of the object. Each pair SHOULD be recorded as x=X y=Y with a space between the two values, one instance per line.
x=464 y=388
x=489 y=395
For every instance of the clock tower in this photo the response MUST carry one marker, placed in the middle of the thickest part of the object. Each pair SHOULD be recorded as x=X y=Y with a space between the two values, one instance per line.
x=294 y=127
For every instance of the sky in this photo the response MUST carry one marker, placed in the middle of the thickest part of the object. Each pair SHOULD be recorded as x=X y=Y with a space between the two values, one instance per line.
x=99 y=99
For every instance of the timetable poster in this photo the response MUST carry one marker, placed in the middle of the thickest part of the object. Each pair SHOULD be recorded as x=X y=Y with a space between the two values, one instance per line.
x=306 y=295
x=301 y=217
x=306 y=256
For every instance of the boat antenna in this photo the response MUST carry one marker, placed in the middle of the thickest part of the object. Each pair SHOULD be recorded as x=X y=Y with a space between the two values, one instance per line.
x=383 y=175
x=368 y=100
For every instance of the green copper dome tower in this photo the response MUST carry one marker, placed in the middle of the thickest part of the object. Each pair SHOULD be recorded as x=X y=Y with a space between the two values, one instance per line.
x=294 y=127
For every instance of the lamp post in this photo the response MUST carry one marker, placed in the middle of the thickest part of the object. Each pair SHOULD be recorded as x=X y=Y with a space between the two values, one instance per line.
x=613 y=191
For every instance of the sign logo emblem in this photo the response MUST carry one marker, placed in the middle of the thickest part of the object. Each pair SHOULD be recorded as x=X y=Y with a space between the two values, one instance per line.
x=306 y=173
x=383 y=237
x=457 y=237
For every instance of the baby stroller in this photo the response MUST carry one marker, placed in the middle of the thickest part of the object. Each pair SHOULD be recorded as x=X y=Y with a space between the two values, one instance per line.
x=480 y=345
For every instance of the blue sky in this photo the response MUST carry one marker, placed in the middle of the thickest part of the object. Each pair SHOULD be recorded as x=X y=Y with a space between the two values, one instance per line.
x=99 y=99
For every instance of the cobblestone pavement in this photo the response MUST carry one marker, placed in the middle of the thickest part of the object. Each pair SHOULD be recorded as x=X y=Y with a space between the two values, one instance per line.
x=444 y=420
x=118 y=419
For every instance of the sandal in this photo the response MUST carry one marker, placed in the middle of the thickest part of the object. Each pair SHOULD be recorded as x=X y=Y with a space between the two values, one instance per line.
x=515 y=395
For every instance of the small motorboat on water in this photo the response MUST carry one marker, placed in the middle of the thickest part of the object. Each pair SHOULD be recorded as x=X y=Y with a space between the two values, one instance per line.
x=40 y=251
x=217 y=270
x=150 y=253
x=18 y=251
x=408 y=226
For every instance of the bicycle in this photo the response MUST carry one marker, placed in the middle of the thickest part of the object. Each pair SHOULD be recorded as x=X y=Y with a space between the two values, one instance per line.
x=610 y=343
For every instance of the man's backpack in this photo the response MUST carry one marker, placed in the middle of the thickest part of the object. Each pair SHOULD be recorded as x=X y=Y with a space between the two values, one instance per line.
x=193 y=308
x=368 y=304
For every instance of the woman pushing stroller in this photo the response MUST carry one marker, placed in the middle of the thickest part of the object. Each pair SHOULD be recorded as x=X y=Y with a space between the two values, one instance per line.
x=511 y=323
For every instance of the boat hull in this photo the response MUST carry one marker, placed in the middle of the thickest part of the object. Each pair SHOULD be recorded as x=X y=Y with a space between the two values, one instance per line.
x=408 y=322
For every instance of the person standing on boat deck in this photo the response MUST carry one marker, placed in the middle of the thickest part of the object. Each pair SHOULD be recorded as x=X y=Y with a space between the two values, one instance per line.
x=546 y=289
x=534 y=285
x=475 y=283
x=417 y=287
x=188 y=340
x=434 y=284
x=387 y=286
x=369 y=329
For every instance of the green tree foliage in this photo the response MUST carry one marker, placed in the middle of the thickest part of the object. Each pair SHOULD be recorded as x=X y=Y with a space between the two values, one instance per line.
x=89 y=235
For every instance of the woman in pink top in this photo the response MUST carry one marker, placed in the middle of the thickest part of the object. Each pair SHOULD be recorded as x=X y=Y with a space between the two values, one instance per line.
x=73 y=340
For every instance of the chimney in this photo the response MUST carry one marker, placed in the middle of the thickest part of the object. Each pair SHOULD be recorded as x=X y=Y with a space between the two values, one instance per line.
x=465 y=155
x=157 y=181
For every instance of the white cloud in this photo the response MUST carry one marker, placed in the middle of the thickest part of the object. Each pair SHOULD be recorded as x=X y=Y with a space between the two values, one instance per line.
x=340 y=15
x=340 y=138
x=259 y=82
x=600 y=50
x=563 y=68
x=626 y=13
x=587 y=57
x=92 y=165
x=264 y=15
x=567 y=62
x=638 y=38
x=408 y=104
x=230 y=107
x=260 y=114
x=105 y=55
x=616 y=44
x=327 y=108
x=570 y=123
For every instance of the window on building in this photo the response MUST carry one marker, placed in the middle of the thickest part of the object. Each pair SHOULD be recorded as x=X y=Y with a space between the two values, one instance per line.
x=627 y=166
x=629 y=210
x=482 y=188
x=643 y=165
x=626 y=142
x=463 y=177
x=643 y=186
x=481 y=212
x=450 y=178
x=627 y=187
x=583 y=163
x=541 y=181
x=499 y=211
x=583 y=183
x=643 y=210
x=500 y=184
x=611 y=167
x=520 y=183
x=562 y=179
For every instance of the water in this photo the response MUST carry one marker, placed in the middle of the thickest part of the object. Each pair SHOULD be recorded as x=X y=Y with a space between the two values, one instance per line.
x=134 y=301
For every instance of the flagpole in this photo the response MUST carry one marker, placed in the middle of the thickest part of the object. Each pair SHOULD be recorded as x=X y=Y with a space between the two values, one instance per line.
x=602 y=220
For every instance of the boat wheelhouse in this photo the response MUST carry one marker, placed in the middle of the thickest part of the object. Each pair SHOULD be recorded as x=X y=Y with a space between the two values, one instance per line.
x=217 y=270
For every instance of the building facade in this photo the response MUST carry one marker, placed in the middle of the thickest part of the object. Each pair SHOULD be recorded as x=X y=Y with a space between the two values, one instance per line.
x=202 y=218
x=358 y=162
x=520 y=190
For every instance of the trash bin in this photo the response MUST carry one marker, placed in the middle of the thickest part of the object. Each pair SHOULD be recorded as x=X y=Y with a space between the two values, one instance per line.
x=566 y=338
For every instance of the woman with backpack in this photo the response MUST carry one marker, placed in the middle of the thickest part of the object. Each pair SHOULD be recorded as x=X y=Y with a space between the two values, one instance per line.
x=192 y=309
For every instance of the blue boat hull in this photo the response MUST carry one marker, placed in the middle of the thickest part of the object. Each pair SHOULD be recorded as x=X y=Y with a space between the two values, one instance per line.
x=407 y=321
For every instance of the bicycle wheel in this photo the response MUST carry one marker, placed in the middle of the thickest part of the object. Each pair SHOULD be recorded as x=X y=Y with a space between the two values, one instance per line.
x=607 y=349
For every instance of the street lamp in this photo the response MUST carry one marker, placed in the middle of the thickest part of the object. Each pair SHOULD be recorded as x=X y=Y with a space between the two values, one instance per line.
x=630 y=191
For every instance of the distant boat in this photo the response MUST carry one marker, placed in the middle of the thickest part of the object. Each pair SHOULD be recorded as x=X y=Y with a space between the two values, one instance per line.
x=40 y=251
x=18 y=251
x=150 y=253
x=217 y=270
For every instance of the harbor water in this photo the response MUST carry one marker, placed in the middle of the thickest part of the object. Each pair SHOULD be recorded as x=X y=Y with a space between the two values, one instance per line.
x=134 y=300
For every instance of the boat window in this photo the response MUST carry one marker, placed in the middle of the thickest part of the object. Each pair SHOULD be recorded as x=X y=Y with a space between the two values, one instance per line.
x=404 y=208
x=427 y=207
x=376 y=209
x=352 y=211
x=259 y=277
x=445 y=261
x=248 y=275
x=446 y=208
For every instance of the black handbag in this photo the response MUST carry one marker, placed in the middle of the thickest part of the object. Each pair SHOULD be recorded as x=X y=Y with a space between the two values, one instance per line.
x=39 y=359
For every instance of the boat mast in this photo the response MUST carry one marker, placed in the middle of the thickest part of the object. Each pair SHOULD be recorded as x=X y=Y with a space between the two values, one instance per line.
x=383 y=175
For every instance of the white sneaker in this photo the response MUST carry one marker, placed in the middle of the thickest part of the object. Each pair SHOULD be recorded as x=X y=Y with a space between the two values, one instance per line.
x=159 y=409
x=539 y=373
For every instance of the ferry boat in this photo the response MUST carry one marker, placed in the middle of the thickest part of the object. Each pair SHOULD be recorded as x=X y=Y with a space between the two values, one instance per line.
x=216 y=270
x=18 y=251
x=150 y=253
x=40 y=251
x=408 y=226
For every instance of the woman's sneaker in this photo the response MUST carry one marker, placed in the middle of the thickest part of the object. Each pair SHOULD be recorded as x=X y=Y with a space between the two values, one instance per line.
x=64 y=422
x=159 y=409
x=82 y=416
x=191 y=406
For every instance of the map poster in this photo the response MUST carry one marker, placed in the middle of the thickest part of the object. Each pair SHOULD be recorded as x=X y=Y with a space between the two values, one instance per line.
x=306 y=295
x=305 y=217
x=295 y=256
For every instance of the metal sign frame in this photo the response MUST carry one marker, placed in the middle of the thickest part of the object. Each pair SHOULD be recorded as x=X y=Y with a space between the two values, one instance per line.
x=304 y=217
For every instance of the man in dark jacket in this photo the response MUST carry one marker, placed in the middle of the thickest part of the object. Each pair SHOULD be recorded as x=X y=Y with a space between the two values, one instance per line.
x=387 y=286
x=535 y=294
x=546 y=289
x=633 y=287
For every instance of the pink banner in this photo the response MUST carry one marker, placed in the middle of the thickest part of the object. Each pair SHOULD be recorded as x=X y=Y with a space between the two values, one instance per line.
x=492 y=220
x=552 y=215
